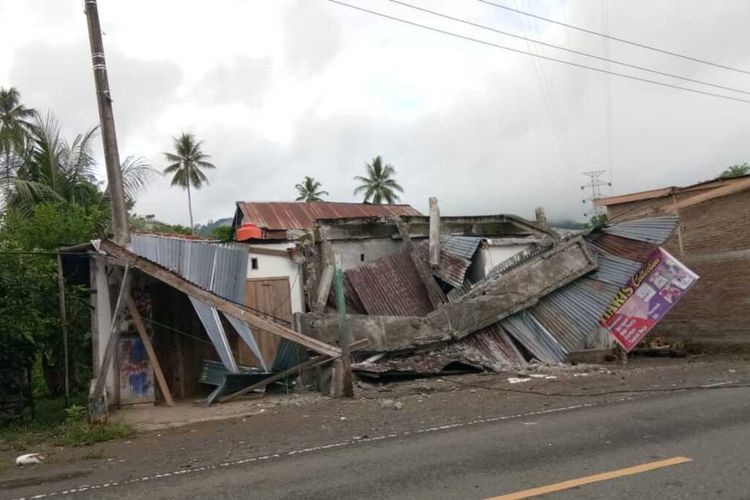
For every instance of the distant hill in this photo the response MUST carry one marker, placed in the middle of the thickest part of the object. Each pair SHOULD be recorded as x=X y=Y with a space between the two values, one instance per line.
x=207 y=228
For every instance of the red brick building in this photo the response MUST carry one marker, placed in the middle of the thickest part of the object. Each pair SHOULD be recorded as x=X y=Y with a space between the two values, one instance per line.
x=713 y=239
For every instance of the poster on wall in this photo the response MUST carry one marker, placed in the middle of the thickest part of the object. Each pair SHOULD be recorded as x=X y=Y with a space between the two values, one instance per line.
x=136 y=375
x=646 y=298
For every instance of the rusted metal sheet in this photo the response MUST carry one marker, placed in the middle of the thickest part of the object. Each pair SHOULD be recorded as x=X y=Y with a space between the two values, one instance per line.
x=492 y=348
x=281 y=216
x=452 y=268
x=390 y=286
x=460 y=246
x=626 y=248
x=528 y=331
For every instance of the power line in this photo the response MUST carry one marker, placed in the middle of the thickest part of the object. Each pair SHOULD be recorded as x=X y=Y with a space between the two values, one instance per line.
x=617 y=39
x=595 y=184
x=572 y=51
x=518 y=51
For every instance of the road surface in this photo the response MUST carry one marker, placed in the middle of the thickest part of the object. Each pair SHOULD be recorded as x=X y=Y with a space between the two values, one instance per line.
x=703 y=435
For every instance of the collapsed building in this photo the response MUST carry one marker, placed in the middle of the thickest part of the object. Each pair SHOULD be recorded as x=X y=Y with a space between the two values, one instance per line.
x=423 y=294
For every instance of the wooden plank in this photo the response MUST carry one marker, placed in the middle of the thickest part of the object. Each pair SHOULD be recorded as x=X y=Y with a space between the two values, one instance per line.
x=730 y=188
x=109 y=350
x=240 y=312
x=268 y=251
x=305 y=364
x=63 y=324
x=138 y=323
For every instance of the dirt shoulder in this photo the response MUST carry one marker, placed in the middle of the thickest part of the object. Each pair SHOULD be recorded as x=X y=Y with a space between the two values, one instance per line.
x=279 y=424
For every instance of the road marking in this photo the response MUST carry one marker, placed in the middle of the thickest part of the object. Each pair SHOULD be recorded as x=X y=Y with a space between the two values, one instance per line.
x=604 y=476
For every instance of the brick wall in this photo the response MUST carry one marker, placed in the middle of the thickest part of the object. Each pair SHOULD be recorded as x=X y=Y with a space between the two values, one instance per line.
x=716 y=244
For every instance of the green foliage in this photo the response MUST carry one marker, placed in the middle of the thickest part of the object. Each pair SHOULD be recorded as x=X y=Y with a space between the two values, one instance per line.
x=143 y=224
x=59 y=426
x=50 y=225
x=310 y=190
x=379 y=186
x=598 y=221
x=737 y=170
x=223 y=233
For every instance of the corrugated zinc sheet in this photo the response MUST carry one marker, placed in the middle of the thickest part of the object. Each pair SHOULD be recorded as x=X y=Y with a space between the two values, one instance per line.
x=460 y=246
x=614 y=270
x=530 y=333
x=390 y=286
x=300 y=215
x=622 y=247
x=452 y=268
x=571 y=313
x=210 y=319
x=243 y=330
x=654 y=230
x=494 y=346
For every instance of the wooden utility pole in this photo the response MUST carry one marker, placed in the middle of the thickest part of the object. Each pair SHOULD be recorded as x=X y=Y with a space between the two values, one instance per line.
x=107 y=121
x=347 y=390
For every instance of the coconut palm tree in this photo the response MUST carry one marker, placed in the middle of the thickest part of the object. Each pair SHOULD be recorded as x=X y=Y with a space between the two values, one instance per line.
x=14 y=127
x=379 y=185
x=188 y=163
x=309 y=190
x=53 y=169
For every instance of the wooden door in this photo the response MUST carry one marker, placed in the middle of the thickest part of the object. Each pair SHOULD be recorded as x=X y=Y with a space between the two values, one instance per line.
x=273 y=297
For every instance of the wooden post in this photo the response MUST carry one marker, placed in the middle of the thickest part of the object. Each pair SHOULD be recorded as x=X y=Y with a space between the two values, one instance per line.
x=63 y=325
x=434 y=234
x=347 y=390
x=138 y=323
x=113 y=335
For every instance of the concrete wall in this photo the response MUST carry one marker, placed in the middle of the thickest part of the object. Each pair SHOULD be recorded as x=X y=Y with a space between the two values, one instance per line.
x=489 y=257
x=355 y=252
x=716 y=245
x=275 y=266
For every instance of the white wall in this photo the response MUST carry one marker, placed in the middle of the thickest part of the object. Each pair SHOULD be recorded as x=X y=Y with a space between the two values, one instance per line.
x=103 y=315
x=489 y=257
x=275 y=266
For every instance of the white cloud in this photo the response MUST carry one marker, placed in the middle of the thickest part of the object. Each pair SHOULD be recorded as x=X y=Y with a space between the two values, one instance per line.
x=279 y=90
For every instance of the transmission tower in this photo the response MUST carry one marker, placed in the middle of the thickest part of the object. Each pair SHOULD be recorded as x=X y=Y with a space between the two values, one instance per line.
x=595 y=185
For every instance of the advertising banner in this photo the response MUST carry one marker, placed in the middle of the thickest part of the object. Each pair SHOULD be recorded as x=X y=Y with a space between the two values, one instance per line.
x=646 y=298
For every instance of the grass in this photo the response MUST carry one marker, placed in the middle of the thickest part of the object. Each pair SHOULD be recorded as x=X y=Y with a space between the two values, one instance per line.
x=56 y=425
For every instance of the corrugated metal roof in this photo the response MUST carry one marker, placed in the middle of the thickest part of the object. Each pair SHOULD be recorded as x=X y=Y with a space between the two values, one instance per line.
x=655 y=230
x=492 y=346
x=390 y=286
x=460 y=246
x=531 y=334
x=300 y=215
x=614 y=270
x=571 y=313
x=626 y=248
x=452 y=268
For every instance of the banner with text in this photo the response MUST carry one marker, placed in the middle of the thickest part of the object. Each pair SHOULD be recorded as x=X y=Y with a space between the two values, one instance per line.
x=646 y=298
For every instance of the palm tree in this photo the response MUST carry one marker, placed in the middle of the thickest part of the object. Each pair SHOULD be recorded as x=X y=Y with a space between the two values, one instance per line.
x=309 y=190
x=188 y=162
x=379 y=183
x=14 y=128
x=53 y=169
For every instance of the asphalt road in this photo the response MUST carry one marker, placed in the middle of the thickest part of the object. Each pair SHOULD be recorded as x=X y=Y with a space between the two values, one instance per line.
x=504 y=455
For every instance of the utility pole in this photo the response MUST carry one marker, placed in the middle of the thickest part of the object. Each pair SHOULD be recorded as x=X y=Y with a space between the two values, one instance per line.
x=107 y=121
x=595 y=185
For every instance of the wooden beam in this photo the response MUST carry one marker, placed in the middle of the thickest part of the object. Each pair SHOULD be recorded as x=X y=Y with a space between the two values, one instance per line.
x=259 y=250
x=240 y=312
x=109 y=350
x=138 y=322
x=63 y=324
x=730 y=188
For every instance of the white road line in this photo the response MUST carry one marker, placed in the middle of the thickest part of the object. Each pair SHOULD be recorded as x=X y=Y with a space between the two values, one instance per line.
x=341 y=444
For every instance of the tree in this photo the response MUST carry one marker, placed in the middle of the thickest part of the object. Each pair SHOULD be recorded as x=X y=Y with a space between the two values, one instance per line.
x=53 y=169
x=310 y=190
x=379 y=184
x=188 y=163
x=14 y=127
x=737 y=170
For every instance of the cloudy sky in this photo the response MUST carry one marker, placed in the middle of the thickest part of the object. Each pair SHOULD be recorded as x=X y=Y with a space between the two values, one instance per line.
x=280 y=89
